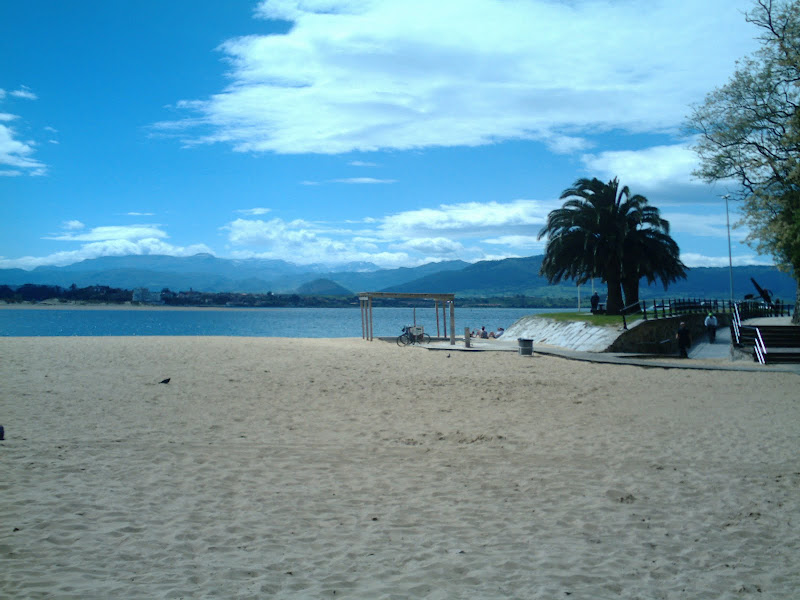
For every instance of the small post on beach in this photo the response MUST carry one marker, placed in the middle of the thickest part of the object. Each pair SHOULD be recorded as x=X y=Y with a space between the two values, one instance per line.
x=466 y=337
x=369 y=310
x=362 y=304
x=452 y=323
x=436 y=310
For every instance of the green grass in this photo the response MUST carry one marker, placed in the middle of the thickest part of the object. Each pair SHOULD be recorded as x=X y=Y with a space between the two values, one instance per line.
x=584 y=316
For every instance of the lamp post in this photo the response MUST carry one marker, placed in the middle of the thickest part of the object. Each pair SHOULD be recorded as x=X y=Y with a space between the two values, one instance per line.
x=730 y=258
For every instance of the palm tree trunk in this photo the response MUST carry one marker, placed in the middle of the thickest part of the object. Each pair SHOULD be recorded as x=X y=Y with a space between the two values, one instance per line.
x=614 y=298
x=631 y=288
x=796 y=316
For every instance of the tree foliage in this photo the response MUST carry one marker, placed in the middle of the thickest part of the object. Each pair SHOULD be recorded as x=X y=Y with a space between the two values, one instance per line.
x=749 y=133
x=604 y=231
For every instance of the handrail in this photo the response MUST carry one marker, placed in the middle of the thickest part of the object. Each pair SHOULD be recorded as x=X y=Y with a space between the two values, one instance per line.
x=736 y=323
x=624 y=310
x=760 y=348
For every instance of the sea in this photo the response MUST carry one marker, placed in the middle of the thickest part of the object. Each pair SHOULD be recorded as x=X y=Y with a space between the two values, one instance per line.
x=247 y=322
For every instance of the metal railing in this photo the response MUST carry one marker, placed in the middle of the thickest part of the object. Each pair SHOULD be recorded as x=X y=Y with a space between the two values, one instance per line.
x=672 y=307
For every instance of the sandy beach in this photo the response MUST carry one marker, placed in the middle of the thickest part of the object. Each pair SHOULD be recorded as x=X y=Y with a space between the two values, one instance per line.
x=291 y=468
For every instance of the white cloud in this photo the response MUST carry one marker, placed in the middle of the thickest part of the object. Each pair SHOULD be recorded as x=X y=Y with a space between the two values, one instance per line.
x=699 y=260
x=111 y=240
x=253 y=211
x=470 y=218
x=439 y=246
x=517 y=241
x=72 y=225
x=708 y=224
x=564 y=144
x=24 y=93
x=111 y=233
x=361 y=163
x=302 y=242
x=400 y=239
x=139 y=214
x=363 y=180
x=379 y=74
x=15 y=153
x=655 y=167
x=119 y=247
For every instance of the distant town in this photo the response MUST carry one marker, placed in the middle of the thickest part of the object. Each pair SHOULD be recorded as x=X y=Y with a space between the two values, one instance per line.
x=101 y=294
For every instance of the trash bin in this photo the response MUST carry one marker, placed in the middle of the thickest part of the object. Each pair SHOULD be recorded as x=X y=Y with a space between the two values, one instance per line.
x=525 y=346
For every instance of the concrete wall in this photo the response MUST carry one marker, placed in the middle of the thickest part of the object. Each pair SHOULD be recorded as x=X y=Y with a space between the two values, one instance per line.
x=654 y=336
x=657 y=336
x=574 y=335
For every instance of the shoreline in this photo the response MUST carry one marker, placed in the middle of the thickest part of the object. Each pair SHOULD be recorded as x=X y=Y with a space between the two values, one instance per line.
x=108 y=306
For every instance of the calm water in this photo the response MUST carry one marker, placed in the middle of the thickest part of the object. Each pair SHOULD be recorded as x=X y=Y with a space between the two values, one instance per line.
x=256 y=322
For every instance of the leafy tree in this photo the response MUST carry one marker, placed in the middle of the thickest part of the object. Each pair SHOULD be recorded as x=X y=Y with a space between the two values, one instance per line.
x=749 y=132
x=604 y=231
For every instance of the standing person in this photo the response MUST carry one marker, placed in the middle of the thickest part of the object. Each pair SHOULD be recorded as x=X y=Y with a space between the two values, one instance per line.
x=711 y=327
x=684 y=337
x=595 y=302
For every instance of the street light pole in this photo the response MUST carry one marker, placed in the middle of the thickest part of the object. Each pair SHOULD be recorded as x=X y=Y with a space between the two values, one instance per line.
x=730 y=258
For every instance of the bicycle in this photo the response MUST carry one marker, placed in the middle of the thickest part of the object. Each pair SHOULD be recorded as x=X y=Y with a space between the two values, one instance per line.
x=413 y=335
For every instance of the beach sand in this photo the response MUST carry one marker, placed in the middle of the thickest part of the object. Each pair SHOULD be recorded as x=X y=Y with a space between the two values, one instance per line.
x=291 y=468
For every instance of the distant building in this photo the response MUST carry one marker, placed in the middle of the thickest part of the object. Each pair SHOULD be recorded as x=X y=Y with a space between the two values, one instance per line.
x=145 y=296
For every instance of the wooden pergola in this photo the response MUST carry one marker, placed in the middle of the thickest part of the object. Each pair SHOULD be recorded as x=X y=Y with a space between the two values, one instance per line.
x=365 y=300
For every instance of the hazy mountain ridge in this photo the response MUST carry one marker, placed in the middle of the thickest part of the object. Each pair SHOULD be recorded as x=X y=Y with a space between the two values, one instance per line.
x=507 y=277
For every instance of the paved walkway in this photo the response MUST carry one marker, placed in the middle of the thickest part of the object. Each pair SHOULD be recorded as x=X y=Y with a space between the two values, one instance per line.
x=704 y=355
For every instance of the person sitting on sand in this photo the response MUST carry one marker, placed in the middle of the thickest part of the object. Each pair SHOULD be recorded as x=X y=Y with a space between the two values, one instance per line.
x=496 y=334
x=483 y=334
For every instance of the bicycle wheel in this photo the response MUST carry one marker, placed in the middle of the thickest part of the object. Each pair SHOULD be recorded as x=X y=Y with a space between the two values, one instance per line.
x=423 y=338
x=403 y=340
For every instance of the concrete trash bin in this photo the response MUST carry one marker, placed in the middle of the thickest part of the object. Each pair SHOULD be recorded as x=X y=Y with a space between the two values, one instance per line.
x=525 y=346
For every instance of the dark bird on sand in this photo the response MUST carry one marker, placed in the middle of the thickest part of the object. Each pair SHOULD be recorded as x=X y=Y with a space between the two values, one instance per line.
x=448 y=355
x=164 y=380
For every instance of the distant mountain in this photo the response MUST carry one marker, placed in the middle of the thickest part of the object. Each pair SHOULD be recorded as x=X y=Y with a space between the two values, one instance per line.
x=508 y=277
x=207 y=273
x=378 y=280
x=486 y=278
x=323 y=287
x=513 y=276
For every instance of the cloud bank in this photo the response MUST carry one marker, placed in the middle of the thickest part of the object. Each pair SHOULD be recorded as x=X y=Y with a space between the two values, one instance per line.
x=381 y=74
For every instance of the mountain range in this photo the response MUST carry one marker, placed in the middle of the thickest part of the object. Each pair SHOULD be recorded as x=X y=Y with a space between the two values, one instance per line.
x=507 y=277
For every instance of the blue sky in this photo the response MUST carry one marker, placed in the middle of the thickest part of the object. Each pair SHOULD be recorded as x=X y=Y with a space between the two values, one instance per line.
x=398 y=132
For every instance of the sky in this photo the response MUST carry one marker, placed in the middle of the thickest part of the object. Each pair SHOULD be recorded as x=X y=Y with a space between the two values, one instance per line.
x=396 y=132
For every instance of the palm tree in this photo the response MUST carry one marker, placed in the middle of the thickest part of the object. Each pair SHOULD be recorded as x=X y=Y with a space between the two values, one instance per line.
x=603 y=231
x=650 y=252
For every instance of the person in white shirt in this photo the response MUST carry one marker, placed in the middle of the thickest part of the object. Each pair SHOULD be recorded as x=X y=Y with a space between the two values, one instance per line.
x=711 y=327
